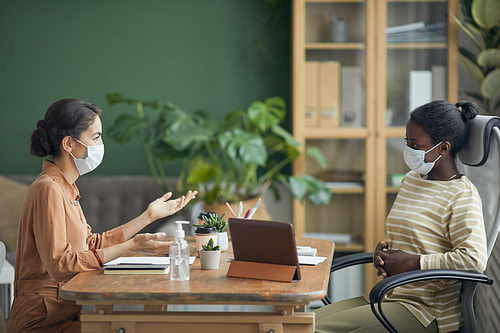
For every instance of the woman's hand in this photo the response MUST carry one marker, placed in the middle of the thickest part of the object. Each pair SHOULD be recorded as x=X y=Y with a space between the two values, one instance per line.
x=162 y=206
x=396 y=262
x=147 y=243
x=377 y=259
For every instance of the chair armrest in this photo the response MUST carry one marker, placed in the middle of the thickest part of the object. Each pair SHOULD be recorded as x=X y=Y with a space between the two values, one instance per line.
x=380 y=289
x=351 y=260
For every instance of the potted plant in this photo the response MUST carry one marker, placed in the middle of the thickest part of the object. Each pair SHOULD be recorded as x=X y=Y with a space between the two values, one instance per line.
x=231 y=160
x=481 y=18
x=218 y=222
x=210 y=256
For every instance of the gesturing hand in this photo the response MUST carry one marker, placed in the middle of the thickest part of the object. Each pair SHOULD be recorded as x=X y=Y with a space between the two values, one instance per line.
x=377 y=260
x=162 y=206
x=146 y=243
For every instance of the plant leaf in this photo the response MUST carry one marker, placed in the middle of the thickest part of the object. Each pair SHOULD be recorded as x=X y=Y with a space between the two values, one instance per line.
x=287 y=136
x=318 y=192
x=489 y=58
x=298 y=187
x=474 y=95
x=486 y=13
x=466 y=28
x=276 y=106
x=244 y=146
x=490 y=87
x=128 y=128
x=471 y=68
x=261 y=116
x=200 y=171
x=317 y=154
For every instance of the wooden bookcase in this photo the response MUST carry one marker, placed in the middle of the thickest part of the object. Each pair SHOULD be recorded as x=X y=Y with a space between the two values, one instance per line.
x=358 y=116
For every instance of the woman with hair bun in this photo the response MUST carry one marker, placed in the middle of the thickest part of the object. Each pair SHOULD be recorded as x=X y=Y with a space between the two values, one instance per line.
x=55 y=242
x=436 y=221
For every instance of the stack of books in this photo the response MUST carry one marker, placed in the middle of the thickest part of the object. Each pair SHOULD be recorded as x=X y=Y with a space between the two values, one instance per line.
x=417 y=33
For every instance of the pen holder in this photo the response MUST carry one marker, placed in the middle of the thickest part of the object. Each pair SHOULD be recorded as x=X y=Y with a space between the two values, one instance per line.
x=203 y=235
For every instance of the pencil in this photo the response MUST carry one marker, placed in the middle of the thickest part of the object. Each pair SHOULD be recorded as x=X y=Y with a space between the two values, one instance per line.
x=248 y=213
x=230 y=209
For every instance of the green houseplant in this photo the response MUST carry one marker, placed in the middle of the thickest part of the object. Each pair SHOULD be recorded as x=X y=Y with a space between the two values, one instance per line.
x=218 y=222
x=210 y=255
x=481 y=22
x=226 y=161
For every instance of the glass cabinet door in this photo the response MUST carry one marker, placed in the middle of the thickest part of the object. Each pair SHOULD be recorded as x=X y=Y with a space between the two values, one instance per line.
x=334 y=110
x=417 y=52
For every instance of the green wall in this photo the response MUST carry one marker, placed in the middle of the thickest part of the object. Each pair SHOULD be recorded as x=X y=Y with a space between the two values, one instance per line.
x=218 y=55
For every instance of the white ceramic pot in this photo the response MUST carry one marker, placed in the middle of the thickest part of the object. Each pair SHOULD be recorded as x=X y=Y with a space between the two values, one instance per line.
x=210 y=259
x=222 y=241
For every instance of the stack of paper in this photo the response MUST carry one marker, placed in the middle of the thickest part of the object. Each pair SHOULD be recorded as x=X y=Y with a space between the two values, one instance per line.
x=139 y=265
x=417 y=33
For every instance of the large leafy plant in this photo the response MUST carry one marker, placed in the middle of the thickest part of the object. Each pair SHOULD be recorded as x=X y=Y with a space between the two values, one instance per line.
x=481 y=22
x=229 y=160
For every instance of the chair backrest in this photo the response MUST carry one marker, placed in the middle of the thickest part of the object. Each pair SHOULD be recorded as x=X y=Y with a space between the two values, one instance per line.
x=3 y=251
x=480 y=161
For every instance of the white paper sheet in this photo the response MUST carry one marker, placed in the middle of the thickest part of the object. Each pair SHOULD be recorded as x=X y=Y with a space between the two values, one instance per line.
x=144 y=260
x=307 y=260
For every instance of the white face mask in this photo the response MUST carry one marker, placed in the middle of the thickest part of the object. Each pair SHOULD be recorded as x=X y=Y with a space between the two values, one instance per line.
x=94 y=157
x=415 y=159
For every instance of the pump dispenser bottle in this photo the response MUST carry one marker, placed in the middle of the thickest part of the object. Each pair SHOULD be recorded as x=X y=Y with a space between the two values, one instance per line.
x=179 y=254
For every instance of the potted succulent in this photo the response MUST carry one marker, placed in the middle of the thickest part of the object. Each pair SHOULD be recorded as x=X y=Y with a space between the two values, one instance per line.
x=210 y=256
x=481 y=22
x=226 y=161
x=218 y=222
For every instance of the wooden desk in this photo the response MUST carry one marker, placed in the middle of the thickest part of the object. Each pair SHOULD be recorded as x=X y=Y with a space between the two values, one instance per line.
x=205 y=287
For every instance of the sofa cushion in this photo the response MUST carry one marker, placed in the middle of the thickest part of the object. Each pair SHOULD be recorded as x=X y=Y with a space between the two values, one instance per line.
x=12 y=195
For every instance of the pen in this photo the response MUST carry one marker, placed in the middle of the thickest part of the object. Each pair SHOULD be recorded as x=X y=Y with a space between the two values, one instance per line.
x=240 y=209
x=230 y=209
x=254 y=209
x=248 y=213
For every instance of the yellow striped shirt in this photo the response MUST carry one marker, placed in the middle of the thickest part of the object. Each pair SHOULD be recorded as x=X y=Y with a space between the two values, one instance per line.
x=442 y=221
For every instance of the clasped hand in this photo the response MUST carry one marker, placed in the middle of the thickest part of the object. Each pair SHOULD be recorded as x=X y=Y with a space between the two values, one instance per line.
x=162 y=206
x=392 y=262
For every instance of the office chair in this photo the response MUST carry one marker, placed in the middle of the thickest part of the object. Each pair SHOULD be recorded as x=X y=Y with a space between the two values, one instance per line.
x=481 y=163
x=3 y=251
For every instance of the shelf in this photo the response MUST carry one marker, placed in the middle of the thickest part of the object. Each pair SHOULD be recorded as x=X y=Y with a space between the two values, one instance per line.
x=417 y=0
x=392 y=190
x=349 y=248
x=413 y=46
x=329 y=1
x=348 y=190
x=394 y=132
x=335 y=133
x=335 y=46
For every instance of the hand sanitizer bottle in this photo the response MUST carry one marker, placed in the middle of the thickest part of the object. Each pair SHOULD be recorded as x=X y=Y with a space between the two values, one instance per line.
x=179 y=254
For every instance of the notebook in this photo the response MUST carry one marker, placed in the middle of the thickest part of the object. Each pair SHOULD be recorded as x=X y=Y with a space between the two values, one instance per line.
x=264 y=242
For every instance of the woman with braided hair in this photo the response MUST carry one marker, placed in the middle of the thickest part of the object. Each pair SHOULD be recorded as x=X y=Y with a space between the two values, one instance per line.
x=55 y=242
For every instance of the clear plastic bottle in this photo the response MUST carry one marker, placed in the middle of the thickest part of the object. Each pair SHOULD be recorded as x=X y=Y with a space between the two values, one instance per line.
x=179 y=254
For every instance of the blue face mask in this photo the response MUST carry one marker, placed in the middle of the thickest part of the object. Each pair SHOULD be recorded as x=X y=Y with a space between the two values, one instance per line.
x=415 y=159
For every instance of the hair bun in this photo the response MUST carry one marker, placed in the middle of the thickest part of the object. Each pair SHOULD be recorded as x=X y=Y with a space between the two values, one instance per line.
x=40 y=141
x=468 y=110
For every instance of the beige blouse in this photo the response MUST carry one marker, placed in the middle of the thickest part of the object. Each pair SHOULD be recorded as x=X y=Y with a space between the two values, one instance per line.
x=54 y=244
x=54 y=238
